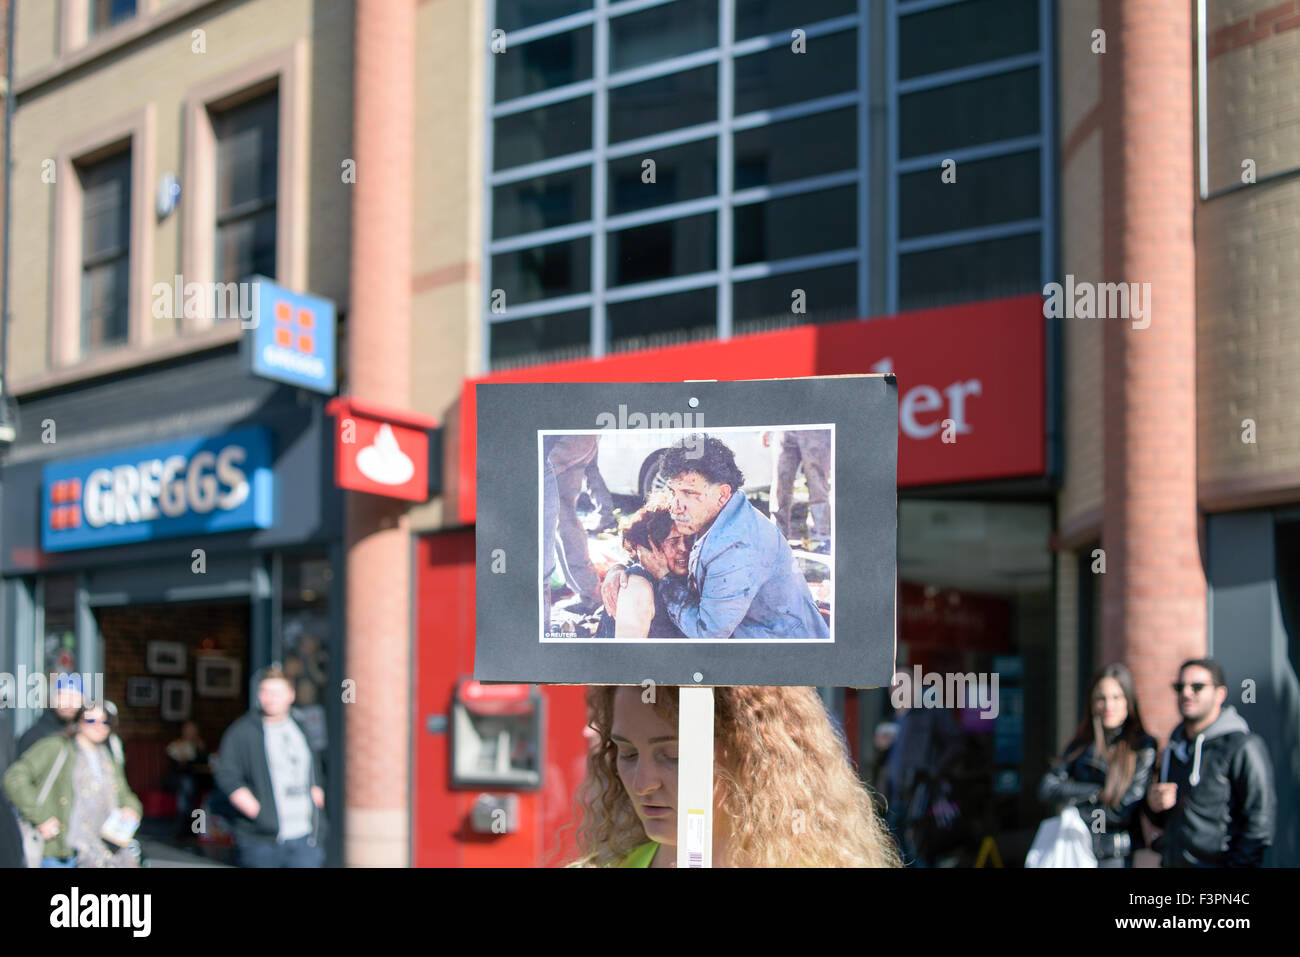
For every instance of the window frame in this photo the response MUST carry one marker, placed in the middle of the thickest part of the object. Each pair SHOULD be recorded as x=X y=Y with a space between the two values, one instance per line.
x=1045 y=224
x=74 y=24
x=721 y=201
x=285 y=72
x=135 y=132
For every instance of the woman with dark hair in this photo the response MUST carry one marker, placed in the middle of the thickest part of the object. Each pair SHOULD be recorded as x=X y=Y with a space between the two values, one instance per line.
x=652 y=541
x=68 y=785
x=1106 y=767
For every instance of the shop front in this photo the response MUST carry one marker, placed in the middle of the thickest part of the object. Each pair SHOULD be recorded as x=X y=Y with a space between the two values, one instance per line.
x=169 y=533
x=974 y=568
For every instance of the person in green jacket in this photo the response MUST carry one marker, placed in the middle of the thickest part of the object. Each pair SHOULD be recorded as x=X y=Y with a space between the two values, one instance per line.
x=66 y=785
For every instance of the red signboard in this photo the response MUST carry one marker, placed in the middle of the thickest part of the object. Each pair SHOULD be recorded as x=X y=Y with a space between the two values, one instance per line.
x=379 y=450
x=971 y=384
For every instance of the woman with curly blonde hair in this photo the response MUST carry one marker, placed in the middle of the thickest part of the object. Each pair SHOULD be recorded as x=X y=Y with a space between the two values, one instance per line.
x=785 y=794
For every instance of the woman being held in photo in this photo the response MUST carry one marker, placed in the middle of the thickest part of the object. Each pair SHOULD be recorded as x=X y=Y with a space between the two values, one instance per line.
x=657 y=548
x=785 y=794
x=68 y=785
x=1106 y=766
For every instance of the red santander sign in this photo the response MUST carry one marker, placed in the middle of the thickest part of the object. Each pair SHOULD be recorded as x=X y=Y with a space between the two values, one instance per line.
x=971 y=383
x=380 y=450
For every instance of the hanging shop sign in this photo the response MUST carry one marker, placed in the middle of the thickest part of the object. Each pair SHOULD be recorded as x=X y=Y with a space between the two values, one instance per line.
x=383 y=451
x=291 y=338
x=200 y=485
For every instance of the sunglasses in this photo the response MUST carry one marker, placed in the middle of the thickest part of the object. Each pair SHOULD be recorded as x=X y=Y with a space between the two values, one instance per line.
x=95 y=720
x=1196 y=686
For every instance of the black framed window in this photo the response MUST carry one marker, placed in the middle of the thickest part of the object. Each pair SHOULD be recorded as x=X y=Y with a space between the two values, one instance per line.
x=962 y=34
x=247 y=138
x=544 y=202
x=555 y=337
x=812 y=145
x=674 y=247
x=517 y=14
x=689 y=171
x=105 y=251
x=543 y=64
x=664 y=103
x=661 y=33
x=543 y=133
x=543 y=272
x=799 y=225
x=106 y=14
x=662 y=320
x=779 y=77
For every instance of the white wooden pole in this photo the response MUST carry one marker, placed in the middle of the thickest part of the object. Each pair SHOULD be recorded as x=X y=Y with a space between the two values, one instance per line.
x=695 y=777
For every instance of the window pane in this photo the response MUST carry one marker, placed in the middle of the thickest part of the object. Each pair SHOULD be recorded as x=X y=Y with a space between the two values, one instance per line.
x=108 y=13
x=763 y=304
x=106 y=207
x=662 y=33
x=516 y=14
x=756 y=17
x=797 y=225
x=246 y=246
x=662 y=320
x=543 y=272
x=682 y=172
x=992 y=108
x=664 y=103
x=543 y=133
x=996 y=190
x=104 y=291
x=541 y=203
x=677 y=247
x=246 y=154
x=984 y=270
x=552 y=338
x=779 y=76
x=796 y=149
x=543 y=64
x=965 y=33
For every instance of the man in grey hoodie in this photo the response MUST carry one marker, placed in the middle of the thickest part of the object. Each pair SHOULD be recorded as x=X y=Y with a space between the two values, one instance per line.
x=1214 y=795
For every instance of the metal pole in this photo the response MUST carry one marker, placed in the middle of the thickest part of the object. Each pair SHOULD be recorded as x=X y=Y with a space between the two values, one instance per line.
x=8 y=174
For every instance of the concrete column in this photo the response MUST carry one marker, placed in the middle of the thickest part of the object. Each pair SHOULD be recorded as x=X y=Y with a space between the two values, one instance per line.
x=378 y=539
x=1153 y=592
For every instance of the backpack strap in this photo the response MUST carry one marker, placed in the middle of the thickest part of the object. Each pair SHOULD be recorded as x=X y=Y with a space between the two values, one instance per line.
x=54 y=773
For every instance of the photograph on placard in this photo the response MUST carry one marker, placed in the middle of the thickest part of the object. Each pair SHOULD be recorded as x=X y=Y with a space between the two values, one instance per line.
x=724 y=534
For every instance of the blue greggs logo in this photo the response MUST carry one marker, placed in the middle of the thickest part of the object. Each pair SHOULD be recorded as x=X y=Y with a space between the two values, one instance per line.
x=292 y=338
x=200 y=485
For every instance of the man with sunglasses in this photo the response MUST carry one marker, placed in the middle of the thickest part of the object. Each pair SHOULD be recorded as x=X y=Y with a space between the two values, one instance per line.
x=1214 y=795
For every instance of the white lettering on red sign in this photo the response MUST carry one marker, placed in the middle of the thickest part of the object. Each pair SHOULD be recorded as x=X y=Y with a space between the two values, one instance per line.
x=925 y=399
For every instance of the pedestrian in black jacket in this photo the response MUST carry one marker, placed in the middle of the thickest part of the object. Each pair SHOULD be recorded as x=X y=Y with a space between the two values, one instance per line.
x=1215 y=797
x=266 y=767
x=1106 y=768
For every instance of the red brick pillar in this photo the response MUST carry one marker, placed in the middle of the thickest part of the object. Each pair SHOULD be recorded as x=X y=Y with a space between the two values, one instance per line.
x=378 y=637
x=1153 y=592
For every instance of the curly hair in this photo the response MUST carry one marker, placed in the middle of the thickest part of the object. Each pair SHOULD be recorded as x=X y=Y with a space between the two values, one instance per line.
x=652 y=523
x=783 y=775
x=706 y=455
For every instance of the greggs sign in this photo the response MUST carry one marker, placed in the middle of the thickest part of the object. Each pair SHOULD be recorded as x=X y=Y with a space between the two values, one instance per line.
x=200 y=485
